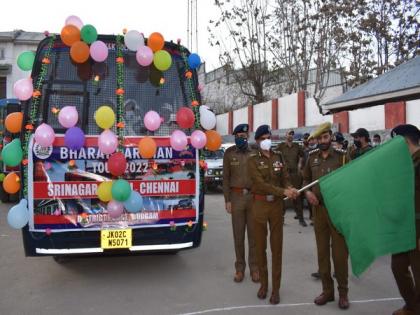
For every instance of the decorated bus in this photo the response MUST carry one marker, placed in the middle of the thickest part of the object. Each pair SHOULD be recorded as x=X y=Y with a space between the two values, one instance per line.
x=110 y=152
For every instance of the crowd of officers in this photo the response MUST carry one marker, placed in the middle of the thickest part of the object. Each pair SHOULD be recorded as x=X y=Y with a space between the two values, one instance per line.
x=257 y=180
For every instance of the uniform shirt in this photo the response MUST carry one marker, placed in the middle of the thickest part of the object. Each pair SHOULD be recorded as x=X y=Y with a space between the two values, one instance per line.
x=269 y=175
x=356 y=152
x=235 y=171
x=316 y=166
x=291 y=155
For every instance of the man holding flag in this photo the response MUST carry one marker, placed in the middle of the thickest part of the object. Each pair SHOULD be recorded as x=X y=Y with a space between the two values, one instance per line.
x=320 y=162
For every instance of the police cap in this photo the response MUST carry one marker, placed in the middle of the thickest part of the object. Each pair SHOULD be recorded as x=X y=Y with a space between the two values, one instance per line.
x=241 y=128
x=322 y=128
x=262 y=130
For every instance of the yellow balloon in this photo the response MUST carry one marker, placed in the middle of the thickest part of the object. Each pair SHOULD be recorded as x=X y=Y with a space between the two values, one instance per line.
x=105 y=117
x=104 y=191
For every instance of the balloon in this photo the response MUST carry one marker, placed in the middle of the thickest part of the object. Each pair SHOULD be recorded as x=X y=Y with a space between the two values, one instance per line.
x=162 y=60
x=70 y=34
x=13 y=122
x=194 y=61
x=12 y=153
x=74 y=138
x=178 y=140
x=152 y=120
x=79 y=52
x=68 y=116
x=134 y=203
x=121 y=190
x=99 y=51
x=115 y=209
x=156 y=41
x=207 y=119
x=26 y=60
x=23 y=89
x=88 y=33
x=147 y=148
x=133 y=40
x=117 y=164
x=107 y=142
x=214 y=140
x=198 y=139
x=11 y=183
x=75 y=21
x=105 y=117
x=144 y=56
x=18 y=215
x=185 y=117
x=104 y=191
x=44 y=135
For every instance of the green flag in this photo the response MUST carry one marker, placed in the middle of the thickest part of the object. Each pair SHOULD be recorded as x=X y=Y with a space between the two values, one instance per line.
x=371 y=202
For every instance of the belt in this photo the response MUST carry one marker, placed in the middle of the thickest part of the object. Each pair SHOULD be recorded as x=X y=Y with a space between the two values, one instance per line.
x=239 y=190
x=269 y=198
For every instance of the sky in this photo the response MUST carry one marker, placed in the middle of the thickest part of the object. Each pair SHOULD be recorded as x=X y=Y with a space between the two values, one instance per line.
x=169 y=17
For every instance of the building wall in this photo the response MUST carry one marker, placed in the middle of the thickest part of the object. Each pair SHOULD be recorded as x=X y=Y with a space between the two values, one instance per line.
x=413 y=113
x=312 y=115
x=262 y=114
x=240 y=116
x=371 y=118
x=288 y=111
x=222 y=124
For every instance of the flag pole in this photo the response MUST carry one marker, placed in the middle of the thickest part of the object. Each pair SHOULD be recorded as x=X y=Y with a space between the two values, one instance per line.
x=305 y=187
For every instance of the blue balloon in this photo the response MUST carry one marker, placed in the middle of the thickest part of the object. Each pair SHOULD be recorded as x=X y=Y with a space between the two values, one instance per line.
x=194 y=61
x=134 y=203
x=18 y=215
x=74 y=138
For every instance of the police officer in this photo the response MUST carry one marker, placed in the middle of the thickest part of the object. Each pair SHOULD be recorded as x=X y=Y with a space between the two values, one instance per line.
x=361 y=141
x=270 y=184
x=293 y=156
x=320 y=162
x=338 y=141
x=238 y=200
x=409 y=282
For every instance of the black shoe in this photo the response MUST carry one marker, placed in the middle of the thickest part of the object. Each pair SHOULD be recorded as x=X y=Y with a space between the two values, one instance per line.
x=302 y=222
x=316 y=275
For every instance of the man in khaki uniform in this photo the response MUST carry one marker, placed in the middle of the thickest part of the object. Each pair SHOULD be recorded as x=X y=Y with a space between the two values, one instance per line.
x=361 y=140
x=409 y=282
x=238 y=200
x=270 y=183
x=320 y=162
x=293 y=156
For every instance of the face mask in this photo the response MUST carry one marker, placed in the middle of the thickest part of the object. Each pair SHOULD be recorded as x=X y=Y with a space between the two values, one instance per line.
x=241 y=143
x=357 y=143
x=265 y=144
x=313 y=146
x=324 y=146
x=375 y=144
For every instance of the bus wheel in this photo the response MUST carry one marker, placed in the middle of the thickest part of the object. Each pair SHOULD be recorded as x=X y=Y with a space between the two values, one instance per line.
x=61 y=259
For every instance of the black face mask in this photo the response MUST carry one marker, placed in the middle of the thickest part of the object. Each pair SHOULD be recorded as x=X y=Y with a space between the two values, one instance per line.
x=324 y=146
x=357 y=143
x=241 y=143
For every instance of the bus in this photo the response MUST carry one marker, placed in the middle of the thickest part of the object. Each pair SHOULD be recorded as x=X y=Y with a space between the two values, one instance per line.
x=66 y=217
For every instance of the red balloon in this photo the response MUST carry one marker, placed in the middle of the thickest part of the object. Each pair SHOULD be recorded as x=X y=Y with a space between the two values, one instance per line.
x=117 y=164
x=185 y=117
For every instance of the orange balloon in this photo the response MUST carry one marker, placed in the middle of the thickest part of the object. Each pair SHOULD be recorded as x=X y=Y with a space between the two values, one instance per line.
x=70 y=34
x=11 y=183
x=214 y=140
x=13 y=122
x=147 y=147
x=156 y=41
x=79 y=52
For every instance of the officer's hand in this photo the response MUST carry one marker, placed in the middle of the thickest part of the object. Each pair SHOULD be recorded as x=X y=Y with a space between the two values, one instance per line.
x=291 y=193
x=228 y=207
x=312 y=199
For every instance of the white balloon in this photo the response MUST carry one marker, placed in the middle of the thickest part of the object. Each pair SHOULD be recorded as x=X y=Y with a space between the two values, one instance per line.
x=203 y=108
x=18 y=215
x=133 y=40
x=207 y=119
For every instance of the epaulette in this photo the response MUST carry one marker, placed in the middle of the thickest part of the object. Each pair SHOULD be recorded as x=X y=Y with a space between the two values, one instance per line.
x=313 y=151
x=276 y=151
x=341 y=151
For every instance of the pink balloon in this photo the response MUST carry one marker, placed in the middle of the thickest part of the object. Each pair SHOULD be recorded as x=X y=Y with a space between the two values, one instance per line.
x=144 y=56
x=178 y=140
x=198 y=139
x=107 y=142
x=152 y=120
x=44 y=135
x=115 y=208
x=68 y=116
x=23 y=89
x=99 y=51
x=74 y=20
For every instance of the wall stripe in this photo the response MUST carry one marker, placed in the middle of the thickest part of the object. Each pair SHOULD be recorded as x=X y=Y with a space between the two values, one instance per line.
x=395 y=114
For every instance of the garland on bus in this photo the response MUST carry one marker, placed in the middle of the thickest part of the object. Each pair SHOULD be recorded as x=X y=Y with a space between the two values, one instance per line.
x=120 y=91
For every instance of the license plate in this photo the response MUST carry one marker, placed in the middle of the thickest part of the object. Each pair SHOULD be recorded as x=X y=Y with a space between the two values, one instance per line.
x=116 y=238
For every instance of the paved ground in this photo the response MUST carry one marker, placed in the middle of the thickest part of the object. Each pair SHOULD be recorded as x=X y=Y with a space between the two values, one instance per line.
x=192 y=282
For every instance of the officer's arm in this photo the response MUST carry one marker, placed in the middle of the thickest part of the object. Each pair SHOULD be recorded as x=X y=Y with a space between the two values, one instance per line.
x=258 y=181
x=307 y=173
x=301 y=155
x=226 y=177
